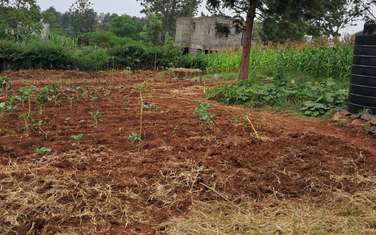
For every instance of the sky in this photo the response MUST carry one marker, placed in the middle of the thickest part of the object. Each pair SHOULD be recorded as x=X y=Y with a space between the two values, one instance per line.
x=133 y=8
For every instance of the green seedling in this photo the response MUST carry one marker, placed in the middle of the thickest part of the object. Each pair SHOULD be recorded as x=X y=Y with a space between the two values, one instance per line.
x=149 y=106
x=25 y=117
x=42 y=151
x=70 y=99
x=141 y=88
x=5 y=85
x=77 y=138
x=37 y=125
x=26 y=93
x=203 y=114
x=96 y=116
x=134 y=138
x=83 y=91
x=108 y=94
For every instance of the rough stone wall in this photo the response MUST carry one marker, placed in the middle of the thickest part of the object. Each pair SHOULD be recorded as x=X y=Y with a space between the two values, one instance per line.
x=201 y=34
x=184 y=31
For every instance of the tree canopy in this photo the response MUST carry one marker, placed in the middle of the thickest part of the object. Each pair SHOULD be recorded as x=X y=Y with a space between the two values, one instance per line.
x=170 y=10
x=20 y=19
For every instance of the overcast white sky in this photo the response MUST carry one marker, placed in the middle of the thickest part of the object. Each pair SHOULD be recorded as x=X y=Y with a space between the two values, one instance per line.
x=130 y=7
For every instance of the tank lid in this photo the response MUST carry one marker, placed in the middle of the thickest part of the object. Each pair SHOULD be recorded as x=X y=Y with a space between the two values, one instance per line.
x=370 y=28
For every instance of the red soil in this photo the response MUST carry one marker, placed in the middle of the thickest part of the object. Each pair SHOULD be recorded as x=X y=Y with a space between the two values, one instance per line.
x=299 y=156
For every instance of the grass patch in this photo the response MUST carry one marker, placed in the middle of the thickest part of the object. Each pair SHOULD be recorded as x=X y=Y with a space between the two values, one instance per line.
x=340 y=213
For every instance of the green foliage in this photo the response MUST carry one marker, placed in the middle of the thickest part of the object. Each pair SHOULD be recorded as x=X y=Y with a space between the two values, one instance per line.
x=312 y=98
x=4 y=82
x=82 y=17
x=133 y=55
x=42 y=151
x=329 y=99
x=19 y=20
x=90 y=58
x=104 y=39
x=134 y=138
x=33 y=55
x=77 y=138
x=126 y=26
x=317 y=61
x=203 y=114
x=96 y=116
x=47 y=94
x=37 y=124
x=24 y=116
x=6 y=106
x=150 y=106
x=27 y=91
x=164 y=13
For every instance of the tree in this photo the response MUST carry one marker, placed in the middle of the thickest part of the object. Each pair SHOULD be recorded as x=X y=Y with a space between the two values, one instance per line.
x=20 y=19
x=82 y=17
x=52 y=17
x=126 y=26
x=364 y=9
x=329 y=17
x=154 y=29
x=240 y=8
x=170 y=10
x=282 y=22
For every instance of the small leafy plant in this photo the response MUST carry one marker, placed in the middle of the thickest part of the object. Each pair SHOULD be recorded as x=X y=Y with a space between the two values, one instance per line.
x=70 y=99
x=77 y=138
x=149 y=106
x=26 y=93
x=38 y=126
x=134 y=138
x=5 y=85
x=25 y=117
x=203 y=114
x=42 y=151
x=96 y=116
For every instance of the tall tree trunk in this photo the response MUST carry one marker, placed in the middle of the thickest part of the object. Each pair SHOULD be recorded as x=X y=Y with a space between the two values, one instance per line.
x=247 y=41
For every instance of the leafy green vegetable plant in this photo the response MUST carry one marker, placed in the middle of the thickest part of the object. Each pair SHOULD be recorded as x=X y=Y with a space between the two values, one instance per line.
x=38 y=126
x=96 y=116
x=134 y=138
x=26 y=93
x=70 y=99
x=77 y=138
x=42 y=151
x=203 y=114
x=25 y=117
x=149 y=106
x=5 y=85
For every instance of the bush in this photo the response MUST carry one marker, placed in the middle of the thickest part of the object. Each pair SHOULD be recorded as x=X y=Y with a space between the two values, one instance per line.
x=312 y=98
x=104 y=39
x=90 y=58
x=133 y=55
x=33 y=55
x=46 y=55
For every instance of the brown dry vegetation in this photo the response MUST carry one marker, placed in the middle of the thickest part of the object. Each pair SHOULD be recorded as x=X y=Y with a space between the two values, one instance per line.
x=301 y=176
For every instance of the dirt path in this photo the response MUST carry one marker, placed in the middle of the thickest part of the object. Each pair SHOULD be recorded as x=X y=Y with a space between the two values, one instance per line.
x=178 y=161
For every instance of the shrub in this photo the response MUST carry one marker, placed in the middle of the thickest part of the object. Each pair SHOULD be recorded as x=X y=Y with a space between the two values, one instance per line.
x=134 y=55
x=312 y=98
x=104 y=39
x=90 y=58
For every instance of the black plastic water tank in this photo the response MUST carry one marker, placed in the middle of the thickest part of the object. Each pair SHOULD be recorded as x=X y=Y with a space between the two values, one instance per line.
x=363 y=83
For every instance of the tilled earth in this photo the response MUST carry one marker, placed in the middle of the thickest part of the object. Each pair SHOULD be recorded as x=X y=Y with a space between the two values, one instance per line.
x=107 y=185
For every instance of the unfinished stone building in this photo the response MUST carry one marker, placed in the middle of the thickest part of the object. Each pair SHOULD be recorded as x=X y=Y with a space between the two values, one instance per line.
x=207 y=33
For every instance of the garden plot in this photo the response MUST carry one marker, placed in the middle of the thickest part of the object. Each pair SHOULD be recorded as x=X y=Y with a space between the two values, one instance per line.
x=76 y=157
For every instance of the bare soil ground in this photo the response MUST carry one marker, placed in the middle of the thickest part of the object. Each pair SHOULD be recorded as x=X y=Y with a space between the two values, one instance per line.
x=185 y=177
